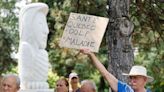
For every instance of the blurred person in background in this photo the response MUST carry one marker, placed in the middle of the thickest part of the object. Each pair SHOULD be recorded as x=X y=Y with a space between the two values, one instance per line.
x=74 y=82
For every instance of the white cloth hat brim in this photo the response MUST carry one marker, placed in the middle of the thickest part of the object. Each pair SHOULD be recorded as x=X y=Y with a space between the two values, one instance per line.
x=150 y=79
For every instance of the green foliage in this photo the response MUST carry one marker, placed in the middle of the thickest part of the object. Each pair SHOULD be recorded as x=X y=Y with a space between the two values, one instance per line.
x=52 y=78
x=7 y=35
x=148 y=34
x=66 y=60
x=148 y=37
x=153 y=60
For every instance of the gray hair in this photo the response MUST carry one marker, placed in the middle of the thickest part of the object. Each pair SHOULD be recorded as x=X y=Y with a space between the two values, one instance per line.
x=14 y=76
x=89 y=82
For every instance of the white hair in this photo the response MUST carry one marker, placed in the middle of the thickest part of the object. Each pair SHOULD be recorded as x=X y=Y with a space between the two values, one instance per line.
x=89 y=82
x=14 y=76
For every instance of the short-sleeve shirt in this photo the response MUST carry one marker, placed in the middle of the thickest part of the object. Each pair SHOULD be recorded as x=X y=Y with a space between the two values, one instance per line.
x=124 y=87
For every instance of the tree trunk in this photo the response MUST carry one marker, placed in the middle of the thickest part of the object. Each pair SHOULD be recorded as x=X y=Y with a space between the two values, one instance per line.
x=119 y=38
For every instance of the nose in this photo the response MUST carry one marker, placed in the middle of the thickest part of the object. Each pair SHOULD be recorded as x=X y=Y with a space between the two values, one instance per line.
x=46 y=30
x=5 y=87
x=132 y=79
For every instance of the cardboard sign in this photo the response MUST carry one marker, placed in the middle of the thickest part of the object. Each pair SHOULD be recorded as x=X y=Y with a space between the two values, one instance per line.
x=84 y=31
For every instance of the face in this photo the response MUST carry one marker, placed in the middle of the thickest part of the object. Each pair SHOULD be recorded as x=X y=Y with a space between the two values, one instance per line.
x=9 y=85
x=137 y=82
x=41 y=30
x=86 y=88
x=61 y=86
x=74 y=80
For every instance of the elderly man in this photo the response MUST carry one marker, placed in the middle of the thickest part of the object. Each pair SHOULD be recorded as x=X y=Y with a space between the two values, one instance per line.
x=10 y=83
x=88 y=86
x=137 y=76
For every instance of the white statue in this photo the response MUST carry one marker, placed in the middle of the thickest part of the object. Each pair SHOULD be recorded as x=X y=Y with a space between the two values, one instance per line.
x=33 y=58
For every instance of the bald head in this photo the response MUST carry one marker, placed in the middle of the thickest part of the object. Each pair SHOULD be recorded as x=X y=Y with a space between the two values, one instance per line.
x=88 y=86
x=10 y=83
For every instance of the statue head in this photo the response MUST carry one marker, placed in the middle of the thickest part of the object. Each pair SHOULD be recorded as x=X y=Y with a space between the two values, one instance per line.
x=33 y=24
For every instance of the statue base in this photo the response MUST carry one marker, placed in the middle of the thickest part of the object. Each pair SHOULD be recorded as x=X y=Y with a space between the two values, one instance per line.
x=37 y=90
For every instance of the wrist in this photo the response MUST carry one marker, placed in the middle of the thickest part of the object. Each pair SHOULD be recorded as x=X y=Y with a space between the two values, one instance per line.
x=91 y=54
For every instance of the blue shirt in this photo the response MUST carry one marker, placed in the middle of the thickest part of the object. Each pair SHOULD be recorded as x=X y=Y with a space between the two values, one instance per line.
x=124 y=87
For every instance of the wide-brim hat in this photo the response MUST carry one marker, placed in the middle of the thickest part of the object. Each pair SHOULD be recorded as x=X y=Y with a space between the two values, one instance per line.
x=139 y=70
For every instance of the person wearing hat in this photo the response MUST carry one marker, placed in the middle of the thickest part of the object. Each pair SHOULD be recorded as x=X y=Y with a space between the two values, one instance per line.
x=137 y=76
x=74 y=81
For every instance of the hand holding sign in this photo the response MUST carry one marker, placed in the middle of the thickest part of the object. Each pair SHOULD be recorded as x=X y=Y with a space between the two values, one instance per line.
x=83 y=31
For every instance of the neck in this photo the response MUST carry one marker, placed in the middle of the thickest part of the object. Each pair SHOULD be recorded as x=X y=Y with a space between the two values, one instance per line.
x=140 y=90
x=74 y=87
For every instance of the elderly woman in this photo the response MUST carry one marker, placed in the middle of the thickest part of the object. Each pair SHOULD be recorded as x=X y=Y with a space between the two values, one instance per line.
x=62 y=85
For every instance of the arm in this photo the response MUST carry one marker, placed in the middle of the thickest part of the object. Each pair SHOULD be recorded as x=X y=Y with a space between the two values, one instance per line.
x=113 y=82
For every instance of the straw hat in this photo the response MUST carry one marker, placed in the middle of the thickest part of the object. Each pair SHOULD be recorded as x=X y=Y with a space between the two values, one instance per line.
x=139 y=70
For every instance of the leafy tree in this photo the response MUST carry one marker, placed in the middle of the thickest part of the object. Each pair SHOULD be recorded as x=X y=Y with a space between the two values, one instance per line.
x=145 y=32
x=8 y=22
x=59 y=13
x=147 y=38
x=65 y=60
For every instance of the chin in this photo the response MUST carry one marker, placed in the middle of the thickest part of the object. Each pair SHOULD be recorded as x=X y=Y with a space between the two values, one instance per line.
x=134 y=88
x=43 y=46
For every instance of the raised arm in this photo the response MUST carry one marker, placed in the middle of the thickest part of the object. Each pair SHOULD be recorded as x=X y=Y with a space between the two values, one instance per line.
x=113 y=82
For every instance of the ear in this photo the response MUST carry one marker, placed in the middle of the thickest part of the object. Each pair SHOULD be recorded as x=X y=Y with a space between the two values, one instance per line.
x=145 y=78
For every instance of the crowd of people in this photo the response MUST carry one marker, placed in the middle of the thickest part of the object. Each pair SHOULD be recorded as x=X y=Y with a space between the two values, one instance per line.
x=73 y=84
x=137 y=80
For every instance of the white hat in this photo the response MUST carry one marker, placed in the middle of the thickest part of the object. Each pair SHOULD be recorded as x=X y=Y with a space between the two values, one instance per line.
x=139 y=70
x=71 y=75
